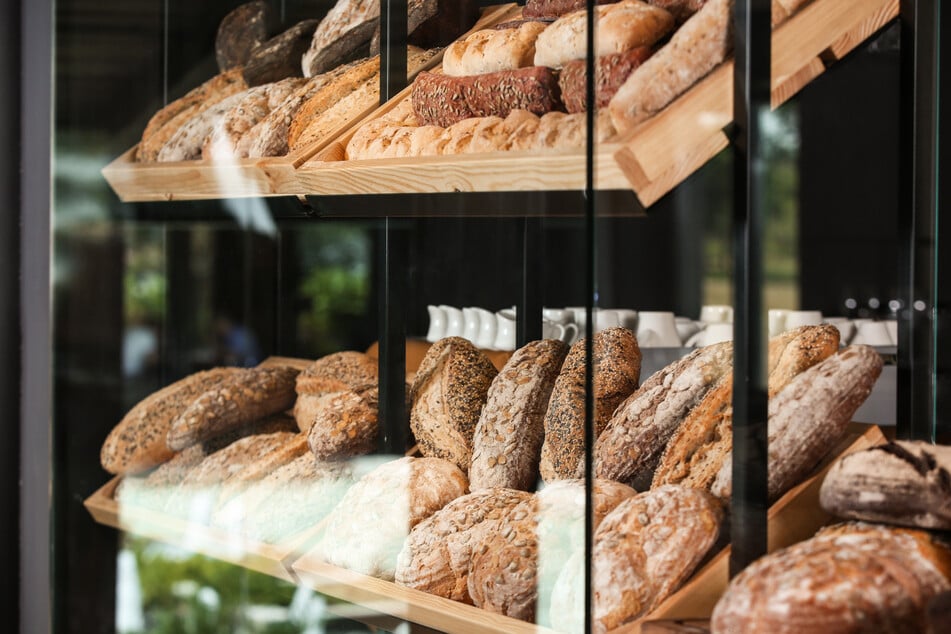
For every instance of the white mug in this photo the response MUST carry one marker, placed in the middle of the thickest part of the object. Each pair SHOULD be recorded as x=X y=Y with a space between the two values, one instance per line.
x=845 y=327
x=488 y=326
x=558 y=315
x=713 y=333
x=873 y=333
x=716 y=313
x=563 y=332
x=687 y=328
x=776 y=318
x=455 y=323
x=604 y=319
x=657 y=329
x=472 y=323
x=505 y=334
x=797 y=318
x=437 y=323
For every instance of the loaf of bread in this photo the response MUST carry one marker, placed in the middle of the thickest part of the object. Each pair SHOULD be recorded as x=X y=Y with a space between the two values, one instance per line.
x=508 y=438
x=345 y=371
x=366 y=530
x=809 y=415
x=342 y=34
x=493 y=50
x=646 y=548
x=905 y=483
x=680 y=9
x=616 y=365
x=241 y=31
x=186 y=143
x=794 y=351
x=551 y=9
x=448 y=393
x=695 y=49
x=166 y=122
x=279 y=57
x=858 y=578
x=138 y=442
x=239 y=482
x=242 y=397
x=634 y=440
x=432 y=23
x=437 y=555
x=610 y=72
x=621 y=26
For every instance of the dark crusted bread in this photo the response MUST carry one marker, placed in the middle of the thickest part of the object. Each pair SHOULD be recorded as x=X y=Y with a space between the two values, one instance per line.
x=243 y=397
x=240 y=32
x=437 y=555
x=616 y=364
x=449 y=390
x=905 y=483
x=138 y=442
x=509 y=435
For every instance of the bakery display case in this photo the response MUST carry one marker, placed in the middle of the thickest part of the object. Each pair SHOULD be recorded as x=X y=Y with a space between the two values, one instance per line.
x=356 y=317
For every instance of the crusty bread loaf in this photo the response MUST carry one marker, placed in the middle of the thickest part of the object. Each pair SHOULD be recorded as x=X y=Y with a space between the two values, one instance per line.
x=905 y=483
x=240 y=32
x=610 y=72
x=346 y=371
x=508 y=438
x=366 y=531
x=166 y=121
x=186 y=143
x=621 y=27
x=345 y=423
x=794 y=351
x=680 y=9
x=694 y=50
x=448 y=393
x=259 y=469
x=858 y=578
x=347 y=27
x=437 y=555
x=616 y=365
x=279 y=57
x=632 y=443
x=243 y=397
x=645 y=549
x=550 y=9
x=138 y=442
x=809 y=415
x=493 y=50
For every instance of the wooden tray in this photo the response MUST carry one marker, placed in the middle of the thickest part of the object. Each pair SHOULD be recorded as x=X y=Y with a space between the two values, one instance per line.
x=794 y=517
x=239 y=178
x=652 y=159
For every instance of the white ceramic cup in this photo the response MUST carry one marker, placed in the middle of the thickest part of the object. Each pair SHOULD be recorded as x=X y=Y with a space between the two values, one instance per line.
x=687 y=328
x=455 y=321
x=797 y=318
x=437 y=323
x=626 y=318
x=845 y=327
x=776 y=319
x=657 y=329
x=579 y=316
x=472 y=322
x=713 y=333
x=716 y=313
x=563 y=332
x=505 y=333
x=873 y=333
x=488 y=325
x=558 y=315
x=604 y=319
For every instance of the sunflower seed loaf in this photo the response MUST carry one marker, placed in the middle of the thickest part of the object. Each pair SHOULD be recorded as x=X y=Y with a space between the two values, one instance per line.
x=616 y=365
x=509 y=435
x=338 y=372
x=244 y=397
x=138 y=442
x=437 y=555
x=449 y=391
x=365 y=532
x=905 y=483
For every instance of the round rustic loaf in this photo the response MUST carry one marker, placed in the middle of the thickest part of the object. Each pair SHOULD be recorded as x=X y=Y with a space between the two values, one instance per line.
x=857 y=578
x=509 y=435
x=437 y=555
x=449 y=390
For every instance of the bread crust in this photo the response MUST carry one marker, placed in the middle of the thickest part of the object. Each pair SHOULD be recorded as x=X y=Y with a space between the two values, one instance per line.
x=349 y=21
x=449 y=391
x=493 y=50
x=508 y=438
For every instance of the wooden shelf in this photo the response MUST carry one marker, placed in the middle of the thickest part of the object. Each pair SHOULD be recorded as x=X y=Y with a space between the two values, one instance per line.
x=650 y=160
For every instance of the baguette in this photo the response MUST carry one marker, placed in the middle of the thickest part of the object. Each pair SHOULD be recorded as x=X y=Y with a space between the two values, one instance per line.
x=244 y=396
x=698 y=46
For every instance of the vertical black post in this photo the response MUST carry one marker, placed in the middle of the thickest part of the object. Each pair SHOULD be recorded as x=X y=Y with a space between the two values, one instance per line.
x=529 y=312
x=751 y=100
x=918 y=218
x=392 y=48
x=392 y=347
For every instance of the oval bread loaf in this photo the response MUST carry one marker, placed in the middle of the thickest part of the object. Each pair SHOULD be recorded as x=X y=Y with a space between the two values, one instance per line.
x=493 y=50
x=508 y=438
x=449 y=390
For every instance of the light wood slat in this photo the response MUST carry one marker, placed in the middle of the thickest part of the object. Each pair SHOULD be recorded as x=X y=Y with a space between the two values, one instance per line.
x=785 y=88
x=794 y=517
x=847 y=43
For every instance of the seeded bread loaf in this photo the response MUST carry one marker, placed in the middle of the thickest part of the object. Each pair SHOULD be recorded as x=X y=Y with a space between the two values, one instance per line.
x=186 y=143
x=448 y=393
x=366 y=531
x=858 y=578
x=259 y=469
x=610 y=72
x=695 y=49
x=904 y=483
x=621 y=26
x=493 y=50
x=138 y=442
x=646 y=548
x=809 y=415
x=346 y=371
x=616 y=366
x=794 y=351
x=508 y=438
x=244 y=396
x=437 y=555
